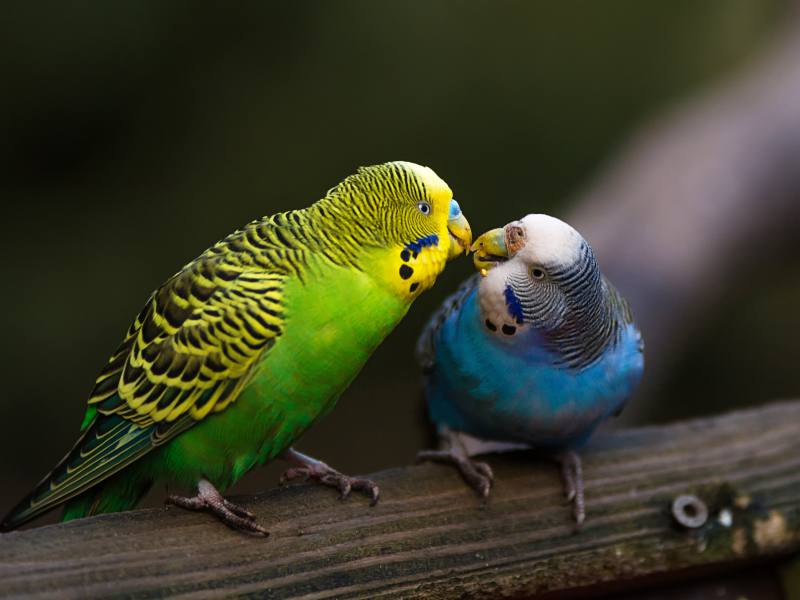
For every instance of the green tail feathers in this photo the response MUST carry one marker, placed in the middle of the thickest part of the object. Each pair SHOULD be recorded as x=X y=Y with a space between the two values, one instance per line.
x=95 y=465
x=125 y=490
x=115 y=494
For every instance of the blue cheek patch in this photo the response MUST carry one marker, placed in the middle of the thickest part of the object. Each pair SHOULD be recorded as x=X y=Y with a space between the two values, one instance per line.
x=423 y=242
x=455 y=210
x=513 y=303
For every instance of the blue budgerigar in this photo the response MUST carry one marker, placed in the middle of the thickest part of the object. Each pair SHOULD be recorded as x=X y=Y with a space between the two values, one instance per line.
x=536 y=350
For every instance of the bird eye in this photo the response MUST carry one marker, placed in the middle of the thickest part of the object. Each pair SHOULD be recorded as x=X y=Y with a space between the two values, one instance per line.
x=538 y=274
x=424 y=208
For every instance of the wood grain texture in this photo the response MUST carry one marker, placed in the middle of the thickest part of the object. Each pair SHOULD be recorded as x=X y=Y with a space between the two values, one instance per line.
x=427 y=538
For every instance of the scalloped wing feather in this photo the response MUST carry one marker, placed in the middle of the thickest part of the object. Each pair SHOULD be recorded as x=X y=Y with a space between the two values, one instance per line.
x=191 y=350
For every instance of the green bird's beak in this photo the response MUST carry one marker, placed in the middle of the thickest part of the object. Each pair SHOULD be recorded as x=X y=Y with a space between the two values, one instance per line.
x=460 y=233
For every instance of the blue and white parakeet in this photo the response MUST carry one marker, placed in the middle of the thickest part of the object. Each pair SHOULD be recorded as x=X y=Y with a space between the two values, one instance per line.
x=534 y=351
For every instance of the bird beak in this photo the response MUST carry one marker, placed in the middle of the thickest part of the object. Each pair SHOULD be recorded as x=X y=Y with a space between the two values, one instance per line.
x=490 y=250
x=460 y=233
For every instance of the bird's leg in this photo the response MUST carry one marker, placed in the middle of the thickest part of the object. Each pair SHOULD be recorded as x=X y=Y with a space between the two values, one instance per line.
x=477 y=473
x=314 y=470
x=208 y=498
x=572 y=474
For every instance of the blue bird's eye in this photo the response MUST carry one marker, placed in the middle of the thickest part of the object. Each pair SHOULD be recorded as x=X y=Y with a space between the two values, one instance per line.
x=424 y=208
x=538 y=273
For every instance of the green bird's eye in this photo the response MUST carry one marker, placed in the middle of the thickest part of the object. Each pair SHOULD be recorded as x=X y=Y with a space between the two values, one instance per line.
x=424 y=208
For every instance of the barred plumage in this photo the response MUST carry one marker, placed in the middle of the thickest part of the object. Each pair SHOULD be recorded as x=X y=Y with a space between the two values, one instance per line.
x=588 y=321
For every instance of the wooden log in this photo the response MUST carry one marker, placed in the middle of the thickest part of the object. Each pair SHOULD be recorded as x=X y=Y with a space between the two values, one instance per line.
x=427 y=537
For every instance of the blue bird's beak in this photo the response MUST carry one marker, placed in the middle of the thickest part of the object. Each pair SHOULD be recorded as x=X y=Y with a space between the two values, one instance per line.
x=497 y=246
x=460 y=233
x=490 y=250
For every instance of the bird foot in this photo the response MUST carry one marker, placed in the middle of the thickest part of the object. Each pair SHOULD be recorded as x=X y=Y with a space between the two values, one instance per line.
x=312 y=470
x=477 y=473
x=208 y=498
x=572 y=473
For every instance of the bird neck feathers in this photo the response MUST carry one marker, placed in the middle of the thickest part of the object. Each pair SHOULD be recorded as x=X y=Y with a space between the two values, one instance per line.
x=576 y=314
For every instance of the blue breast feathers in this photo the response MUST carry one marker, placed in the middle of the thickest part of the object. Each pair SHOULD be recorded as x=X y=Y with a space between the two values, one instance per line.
x=513 y=389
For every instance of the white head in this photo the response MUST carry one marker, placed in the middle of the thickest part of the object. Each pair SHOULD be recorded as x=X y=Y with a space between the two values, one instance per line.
x=533 y=270
x=549 y=241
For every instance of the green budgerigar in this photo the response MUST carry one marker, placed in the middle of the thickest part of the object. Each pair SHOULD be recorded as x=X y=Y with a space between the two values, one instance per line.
x=250 y=344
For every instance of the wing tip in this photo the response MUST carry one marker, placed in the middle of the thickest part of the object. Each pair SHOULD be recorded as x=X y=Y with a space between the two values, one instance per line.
x=22 y=513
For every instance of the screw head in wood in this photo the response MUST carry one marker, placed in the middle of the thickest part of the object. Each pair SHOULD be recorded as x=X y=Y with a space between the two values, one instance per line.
x=689 y=511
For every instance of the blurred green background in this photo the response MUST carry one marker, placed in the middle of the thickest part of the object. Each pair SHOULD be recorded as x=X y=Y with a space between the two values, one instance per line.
x=133 y=135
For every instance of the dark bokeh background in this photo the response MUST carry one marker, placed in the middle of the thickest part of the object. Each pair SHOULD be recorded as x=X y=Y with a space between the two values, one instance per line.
x=135 y=135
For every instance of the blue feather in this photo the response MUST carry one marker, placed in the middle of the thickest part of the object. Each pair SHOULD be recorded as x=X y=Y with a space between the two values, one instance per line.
x=513 y=303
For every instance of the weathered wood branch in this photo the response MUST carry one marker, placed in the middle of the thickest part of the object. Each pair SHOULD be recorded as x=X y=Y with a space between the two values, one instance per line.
x=427 y=538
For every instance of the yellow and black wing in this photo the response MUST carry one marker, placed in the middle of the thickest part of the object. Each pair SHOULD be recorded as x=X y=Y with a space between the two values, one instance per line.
x=187 y=354
x=190 y=351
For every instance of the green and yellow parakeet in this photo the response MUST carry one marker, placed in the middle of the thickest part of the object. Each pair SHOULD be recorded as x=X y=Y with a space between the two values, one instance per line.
x=249 y=345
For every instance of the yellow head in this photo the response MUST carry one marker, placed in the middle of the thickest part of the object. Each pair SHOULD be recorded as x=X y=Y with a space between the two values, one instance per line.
x=403 y=203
